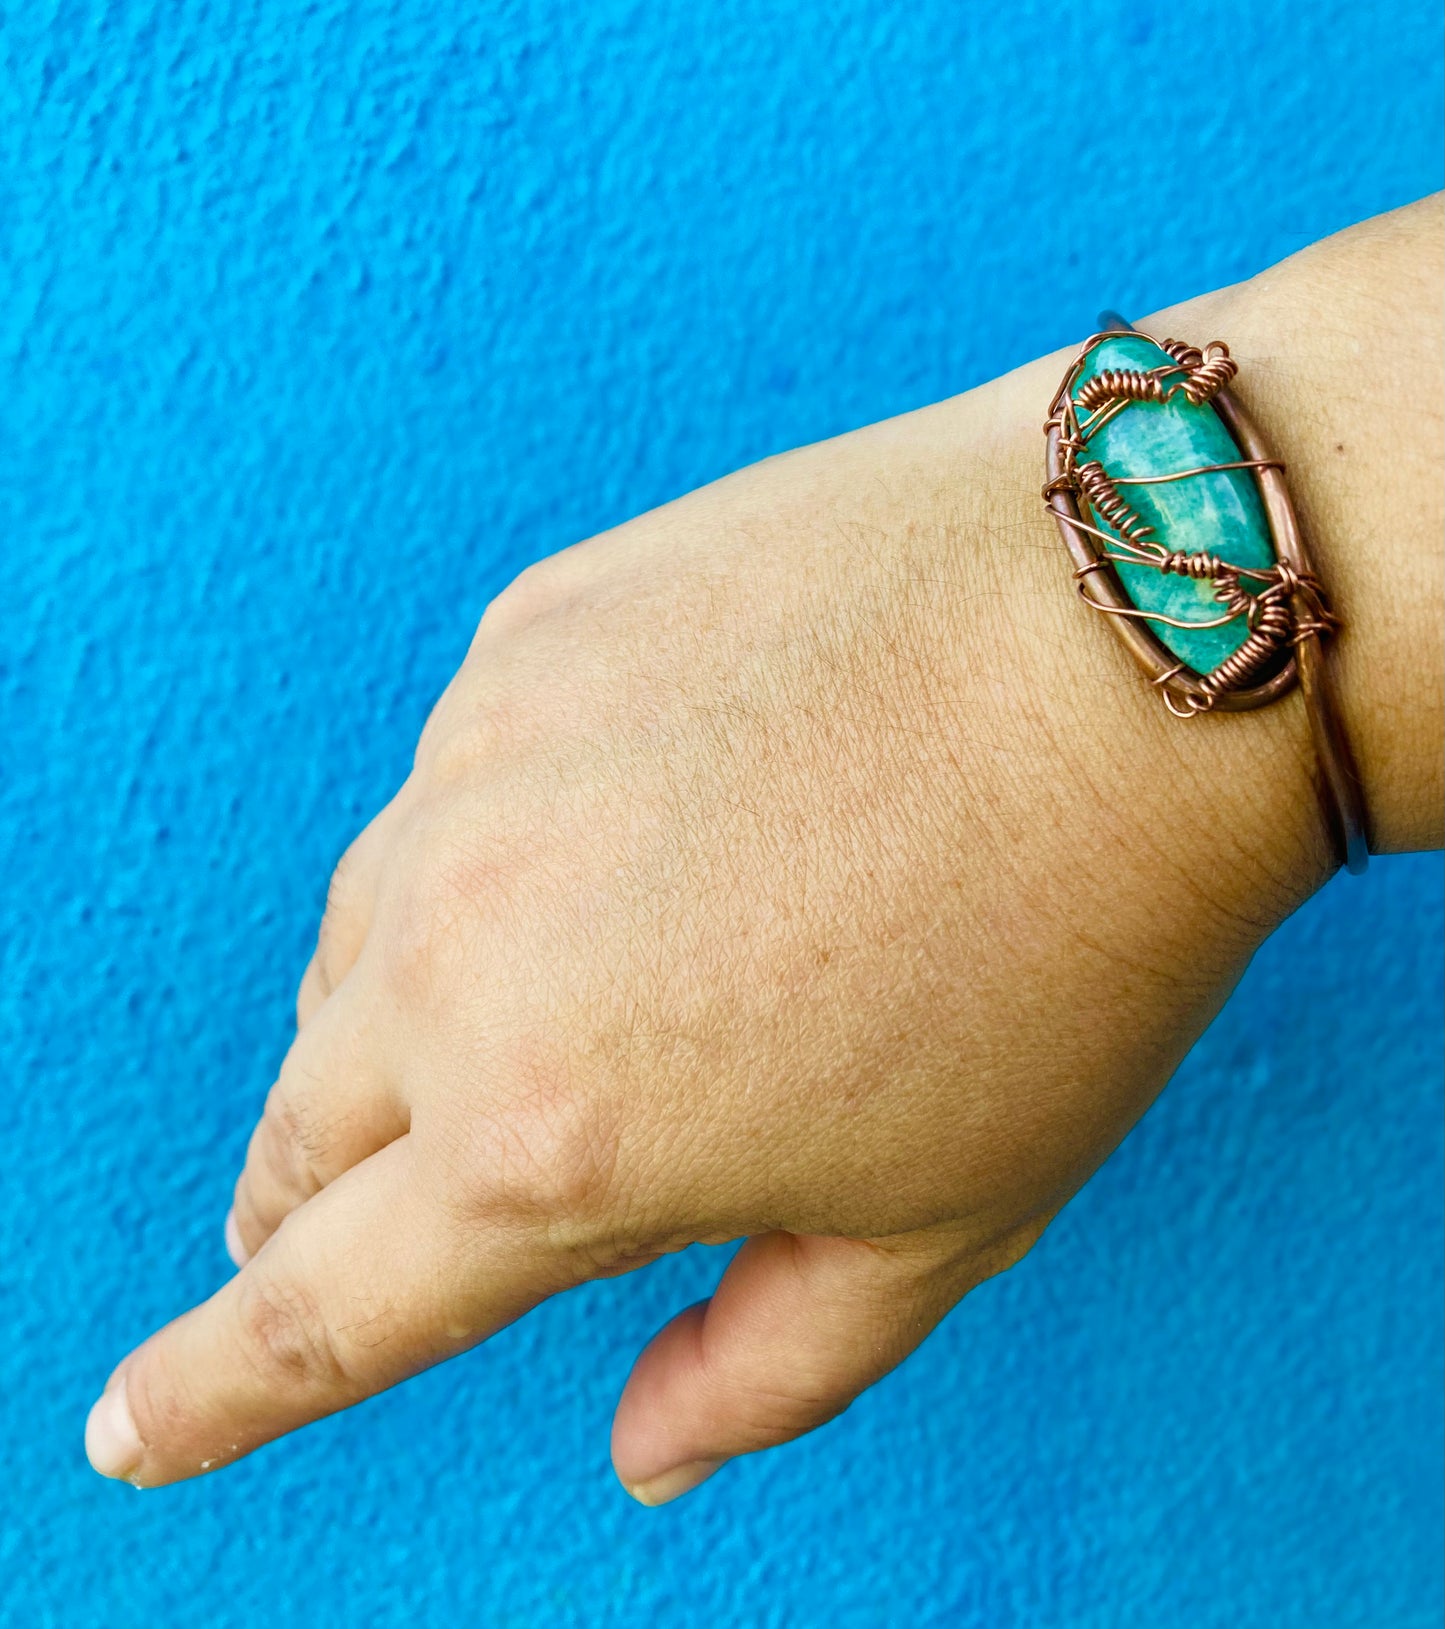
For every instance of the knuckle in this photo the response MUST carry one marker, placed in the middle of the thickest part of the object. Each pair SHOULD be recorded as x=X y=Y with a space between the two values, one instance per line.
x=532 y=593
x=254 y=1221
x=550 y=1160
x=455 y=890
x=290 y=1144
x=491 y=728
x=311 y=993
x=343 y=876
x=559 y=1168
x=342 y=923
x=283 y=1336
x=455 y=749
x=414 y=947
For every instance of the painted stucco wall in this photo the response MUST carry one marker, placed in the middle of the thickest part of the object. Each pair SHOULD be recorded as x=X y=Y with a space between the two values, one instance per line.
x=316 y=323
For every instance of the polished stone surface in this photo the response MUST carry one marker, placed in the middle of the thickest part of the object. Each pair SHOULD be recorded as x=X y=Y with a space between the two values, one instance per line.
x=1220 y=512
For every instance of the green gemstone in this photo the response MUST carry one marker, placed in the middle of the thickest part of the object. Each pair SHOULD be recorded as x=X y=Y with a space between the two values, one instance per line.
x=1220 y=512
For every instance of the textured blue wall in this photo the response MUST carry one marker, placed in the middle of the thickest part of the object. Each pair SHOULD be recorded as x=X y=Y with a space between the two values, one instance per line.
x=318 y=322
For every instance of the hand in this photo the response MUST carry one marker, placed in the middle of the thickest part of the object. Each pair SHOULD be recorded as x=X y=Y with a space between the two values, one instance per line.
x=800 y=863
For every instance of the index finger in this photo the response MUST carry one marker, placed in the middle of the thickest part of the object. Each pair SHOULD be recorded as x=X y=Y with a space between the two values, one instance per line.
x=368 y=1283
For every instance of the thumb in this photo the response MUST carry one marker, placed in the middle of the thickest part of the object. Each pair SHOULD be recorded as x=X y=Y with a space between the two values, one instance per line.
x=798 y=1327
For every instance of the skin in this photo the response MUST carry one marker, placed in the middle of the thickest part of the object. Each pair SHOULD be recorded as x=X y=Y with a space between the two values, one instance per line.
x=801 y=862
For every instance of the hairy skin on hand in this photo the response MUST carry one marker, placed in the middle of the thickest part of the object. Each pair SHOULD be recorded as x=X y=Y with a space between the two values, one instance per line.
x=801 y=862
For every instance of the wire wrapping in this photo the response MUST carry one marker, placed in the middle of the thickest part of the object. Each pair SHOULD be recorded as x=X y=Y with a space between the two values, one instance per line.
x=1279 y=605
x=1122 y=384
x=1204 y=373
x=1214 y=372
x=1185 y=354
x=1110 y=506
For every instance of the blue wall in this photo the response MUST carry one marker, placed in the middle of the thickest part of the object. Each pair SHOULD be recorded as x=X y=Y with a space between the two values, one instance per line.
x=318 y=321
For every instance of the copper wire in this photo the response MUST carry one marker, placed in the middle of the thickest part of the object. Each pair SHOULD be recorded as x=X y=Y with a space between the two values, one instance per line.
x=1199 y=469
x=1185 y=354
x=1281 y=608
x=1217 y=369
x=1150 y=616
x=1121 y=384
x=1204 y=373
x=1208 y=370
x=1109 y=504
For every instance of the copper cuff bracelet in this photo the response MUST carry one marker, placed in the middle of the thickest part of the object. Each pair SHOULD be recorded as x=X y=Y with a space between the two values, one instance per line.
x=1150 y=418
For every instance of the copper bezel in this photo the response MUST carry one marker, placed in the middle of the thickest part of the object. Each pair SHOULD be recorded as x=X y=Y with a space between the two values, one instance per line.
x=1306 y=667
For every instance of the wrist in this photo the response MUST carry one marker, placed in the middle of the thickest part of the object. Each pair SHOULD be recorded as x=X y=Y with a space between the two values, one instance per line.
x=1338 y=352
x=1217 y=815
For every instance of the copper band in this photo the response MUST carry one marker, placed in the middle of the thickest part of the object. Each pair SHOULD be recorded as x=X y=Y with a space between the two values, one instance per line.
x=1286 y=607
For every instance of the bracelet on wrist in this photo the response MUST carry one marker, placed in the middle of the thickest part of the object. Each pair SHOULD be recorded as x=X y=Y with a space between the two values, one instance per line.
x=1182 y=533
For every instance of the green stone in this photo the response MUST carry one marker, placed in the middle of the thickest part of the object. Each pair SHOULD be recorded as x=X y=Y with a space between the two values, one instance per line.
x=1220 y=512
